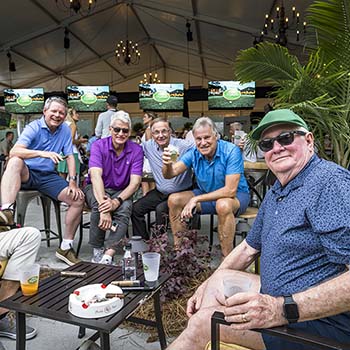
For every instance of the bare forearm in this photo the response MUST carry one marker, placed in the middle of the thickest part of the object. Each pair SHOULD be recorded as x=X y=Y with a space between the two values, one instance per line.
x=240 y=257
x=168 y=171
x=98 y=189
x=71 y=165
x=129 y=190
x=327 y=299
x=25 y=153
x=223 y=192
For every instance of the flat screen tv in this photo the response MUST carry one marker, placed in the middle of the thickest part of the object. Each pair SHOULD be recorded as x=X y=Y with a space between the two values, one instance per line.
x=22 y=101
x=231 y=95
x=88 y=98
x=161 y=97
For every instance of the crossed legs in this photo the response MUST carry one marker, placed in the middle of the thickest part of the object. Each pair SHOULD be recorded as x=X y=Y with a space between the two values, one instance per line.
x=17 y=173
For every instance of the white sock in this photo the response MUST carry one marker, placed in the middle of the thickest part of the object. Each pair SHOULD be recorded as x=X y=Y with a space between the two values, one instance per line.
x=66 y=244
x=6 y=206
x=106 y=259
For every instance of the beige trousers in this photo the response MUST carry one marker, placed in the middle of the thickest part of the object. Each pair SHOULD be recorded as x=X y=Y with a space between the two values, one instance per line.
x=20 y=247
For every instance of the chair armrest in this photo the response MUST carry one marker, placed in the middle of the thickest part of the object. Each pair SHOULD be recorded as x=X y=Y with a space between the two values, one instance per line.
x=294 y=335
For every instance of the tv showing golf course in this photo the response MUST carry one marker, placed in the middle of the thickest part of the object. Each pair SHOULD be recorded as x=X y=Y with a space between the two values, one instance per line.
x=24 y=101
x=88 y=98
x=231 y=95
x=161 y=97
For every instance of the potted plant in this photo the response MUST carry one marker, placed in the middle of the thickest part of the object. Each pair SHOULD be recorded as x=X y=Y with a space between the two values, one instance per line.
x=318 y=90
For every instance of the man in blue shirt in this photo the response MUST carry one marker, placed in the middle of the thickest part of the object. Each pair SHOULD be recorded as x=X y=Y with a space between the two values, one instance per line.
x=302 y=233
x=39 y=148
x=223 y=189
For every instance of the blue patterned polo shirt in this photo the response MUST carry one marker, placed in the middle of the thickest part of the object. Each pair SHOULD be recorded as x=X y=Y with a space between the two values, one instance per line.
x=303 y=229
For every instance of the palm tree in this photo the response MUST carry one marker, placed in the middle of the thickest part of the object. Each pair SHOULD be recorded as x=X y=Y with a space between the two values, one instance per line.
x=319 y=90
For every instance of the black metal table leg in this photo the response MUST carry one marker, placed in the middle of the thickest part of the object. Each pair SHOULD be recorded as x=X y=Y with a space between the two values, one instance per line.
x=20 y=331
x=82 y=332
x=159 y=321
x=104 y=339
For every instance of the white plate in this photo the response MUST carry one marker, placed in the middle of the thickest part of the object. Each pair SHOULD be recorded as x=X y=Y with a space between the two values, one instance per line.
x=81 y=305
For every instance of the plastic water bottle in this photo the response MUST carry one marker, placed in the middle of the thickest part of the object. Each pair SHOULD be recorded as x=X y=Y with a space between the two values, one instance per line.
x=129 y=264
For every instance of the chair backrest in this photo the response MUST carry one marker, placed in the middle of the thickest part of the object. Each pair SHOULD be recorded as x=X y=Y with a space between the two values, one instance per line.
x=288 y=334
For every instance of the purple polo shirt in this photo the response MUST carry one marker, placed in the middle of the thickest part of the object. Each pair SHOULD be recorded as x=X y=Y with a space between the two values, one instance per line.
x=116 y=170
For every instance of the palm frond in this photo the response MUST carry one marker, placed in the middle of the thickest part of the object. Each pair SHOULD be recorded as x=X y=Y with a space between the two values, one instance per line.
x=331 y=20
x=268 y=62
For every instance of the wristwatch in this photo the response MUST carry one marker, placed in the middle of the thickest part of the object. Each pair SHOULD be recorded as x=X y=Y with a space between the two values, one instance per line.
x=120 y=200
x=290 y=309
x=74 y=178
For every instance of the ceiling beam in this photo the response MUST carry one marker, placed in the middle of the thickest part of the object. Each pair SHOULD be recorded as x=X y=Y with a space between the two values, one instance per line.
x=147 y=33
x=183 y=49
x=201 y=18
x=85 y=44
x=199 y=39
x=55 y=73
x=58 y=25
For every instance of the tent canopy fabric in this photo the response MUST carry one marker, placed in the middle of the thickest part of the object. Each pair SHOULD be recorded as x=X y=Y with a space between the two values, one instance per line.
x=33 y=34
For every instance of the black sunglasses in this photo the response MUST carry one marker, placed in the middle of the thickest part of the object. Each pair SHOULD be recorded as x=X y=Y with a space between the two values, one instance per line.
x=118 y=130
x=284 y=139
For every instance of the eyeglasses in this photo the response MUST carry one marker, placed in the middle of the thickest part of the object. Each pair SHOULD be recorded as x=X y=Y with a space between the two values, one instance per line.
x=158 y=132
x=118 y=130
x=284 y=139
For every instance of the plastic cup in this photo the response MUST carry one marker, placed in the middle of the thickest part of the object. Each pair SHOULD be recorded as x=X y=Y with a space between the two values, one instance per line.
x=236 y=284
x=174 y=153
x=151 y=262
x=29 y=279
x=239 y=135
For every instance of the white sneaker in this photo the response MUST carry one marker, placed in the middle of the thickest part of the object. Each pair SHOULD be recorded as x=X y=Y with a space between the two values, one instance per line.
x=107 y=260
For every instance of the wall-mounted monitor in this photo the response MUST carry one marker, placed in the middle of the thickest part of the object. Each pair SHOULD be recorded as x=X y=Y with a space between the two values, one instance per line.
x=88 y=98
x=161 y=97
x=22 y=101
x=231 y=95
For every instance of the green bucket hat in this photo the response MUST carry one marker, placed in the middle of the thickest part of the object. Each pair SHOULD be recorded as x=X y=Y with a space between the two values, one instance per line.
x=278 y=116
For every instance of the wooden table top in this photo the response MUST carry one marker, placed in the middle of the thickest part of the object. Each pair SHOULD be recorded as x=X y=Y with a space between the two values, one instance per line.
x=255 y=166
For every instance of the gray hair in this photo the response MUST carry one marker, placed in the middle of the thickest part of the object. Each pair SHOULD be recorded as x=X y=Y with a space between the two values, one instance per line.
x=57 y=99
x=121 y=116
x=205 y=121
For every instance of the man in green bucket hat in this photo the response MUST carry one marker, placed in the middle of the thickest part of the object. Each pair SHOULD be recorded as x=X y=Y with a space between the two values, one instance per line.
x=302 y=235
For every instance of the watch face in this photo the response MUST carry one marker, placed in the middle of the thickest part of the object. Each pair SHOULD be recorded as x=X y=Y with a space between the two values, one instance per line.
x=291 y=312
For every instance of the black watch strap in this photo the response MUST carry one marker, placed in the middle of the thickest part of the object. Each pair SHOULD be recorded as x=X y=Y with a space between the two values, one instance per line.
x=120 y=200
x=290 y=309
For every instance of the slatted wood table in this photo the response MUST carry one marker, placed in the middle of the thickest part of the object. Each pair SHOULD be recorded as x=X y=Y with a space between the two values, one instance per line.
x=51 y=302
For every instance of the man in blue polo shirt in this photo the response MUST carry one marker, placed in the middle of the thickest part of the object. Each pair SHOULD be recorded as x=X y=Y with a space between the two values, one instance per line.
x=223 y=189
x=31 y=166
x=302 y=234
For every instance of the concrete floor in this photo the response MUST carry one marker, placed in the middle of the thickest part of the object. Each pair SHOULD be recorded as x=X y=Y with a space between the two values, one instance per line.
x=59 y=336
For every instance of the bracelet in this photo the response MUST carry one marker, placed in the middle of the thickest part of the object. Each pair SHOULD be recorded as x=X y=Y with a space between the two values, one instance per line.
x=120 y=200
x=74 y=178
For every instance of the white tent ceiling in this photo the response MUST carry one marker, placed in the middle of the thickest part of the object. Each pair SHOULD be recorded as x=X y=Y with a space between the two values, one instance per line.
x=33 y=32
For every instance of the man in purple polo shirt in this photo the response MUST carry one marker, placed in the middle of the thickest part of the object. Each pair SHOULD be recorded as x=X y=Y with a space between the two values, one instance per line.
x=115 y=171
